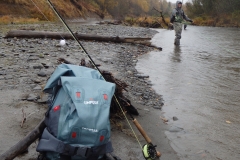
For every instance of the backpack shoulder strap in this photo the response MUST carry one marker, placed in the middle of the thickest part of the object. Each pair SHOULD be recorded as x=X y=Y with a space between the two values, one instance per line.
x=49 y=143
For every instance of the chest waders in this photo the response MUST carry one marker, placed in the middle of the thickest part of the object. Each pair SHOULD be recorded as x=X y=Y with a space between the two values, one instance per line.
x=178 y=28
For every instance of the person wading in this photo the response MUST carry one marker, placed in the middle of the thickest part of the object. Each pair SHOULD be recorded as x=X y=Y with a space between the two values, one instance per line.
x=176 y=20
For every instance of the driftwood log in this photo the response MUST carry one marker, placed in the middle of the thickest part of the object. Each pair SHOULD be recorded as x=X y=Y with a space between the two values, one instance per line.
x=115 y=113
x=23 y=144
x=59 y=35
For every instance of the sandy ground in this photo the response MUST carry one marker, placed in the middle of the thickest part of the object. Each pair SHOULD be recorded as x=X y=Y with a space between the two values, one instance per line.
x=26 y=64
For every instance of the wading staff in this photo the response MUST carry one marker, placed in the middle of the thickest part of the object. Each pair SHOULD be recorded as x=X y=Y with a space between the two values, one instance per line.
x=149 y=150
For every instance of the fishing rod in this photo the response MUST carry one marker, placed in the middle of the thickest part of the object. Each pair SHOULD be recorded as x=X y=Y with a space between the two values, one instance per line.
x=149 y=150
x=73 y=35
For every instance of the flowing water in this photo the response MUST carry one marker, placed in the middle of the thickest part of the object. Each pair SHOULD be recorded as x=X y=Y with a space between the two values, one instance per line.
x=200 y=84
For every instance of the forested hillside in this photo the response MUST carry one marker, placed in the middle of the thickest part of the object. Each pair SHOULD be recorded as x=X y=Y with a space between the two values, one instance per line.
x=215 y=12
x=203 y=12
x=82 y=8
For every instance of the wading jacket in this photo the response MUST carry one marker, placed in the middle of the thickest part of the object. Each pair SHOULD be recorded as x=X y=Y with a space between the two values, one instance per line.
x=178 y=15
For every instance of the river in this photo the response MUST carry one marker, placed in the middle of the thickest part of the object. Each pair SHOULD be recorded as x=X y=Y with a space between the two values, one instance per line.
x=200 y=84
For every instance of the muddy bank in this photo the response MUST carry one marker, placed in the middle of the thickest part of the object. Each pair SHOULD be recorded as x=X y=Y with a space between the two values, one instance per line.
x=26 y=64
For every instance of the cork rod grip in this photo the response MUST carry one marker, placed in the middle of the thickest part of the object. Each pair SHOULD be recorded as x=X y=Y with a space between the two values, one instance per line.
x=141 y=130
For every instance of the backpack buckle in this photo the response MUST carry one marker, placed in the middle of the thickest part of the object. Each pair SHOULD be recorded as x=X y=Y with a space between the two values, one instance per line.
x=83 y=151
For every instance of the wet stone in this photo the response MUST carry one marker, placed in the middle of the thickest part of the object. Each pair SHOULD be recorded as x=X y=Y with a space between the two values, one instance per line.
x=44 y=99
x=139 y=94
x=9 y=77
x=24 y=75
x=33 y=58
x=175 y=129
x=145 y=97
x=2 y=73
x=37 y=87
x=42 y=74
x=47 y=65
x=31 y=97
x=175 y=118
x=36 y=80
x=2 y=55
x=157 y=107
x=31 y=51
x=37 y=66
x=141 y=76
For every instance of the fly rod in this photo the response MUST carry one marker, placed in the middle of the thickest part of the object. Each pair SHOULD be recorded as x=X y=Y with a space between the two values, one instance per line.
x=149 y=150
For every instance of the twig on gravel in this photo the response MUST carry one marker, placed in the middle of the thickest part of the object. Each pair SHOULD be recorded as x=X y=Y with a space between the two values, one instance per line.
x=24 y=118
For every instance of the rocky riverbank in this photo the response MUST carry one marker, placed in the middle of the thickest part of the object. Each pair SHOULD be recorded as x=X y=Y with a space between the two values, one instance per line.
x=26 y=64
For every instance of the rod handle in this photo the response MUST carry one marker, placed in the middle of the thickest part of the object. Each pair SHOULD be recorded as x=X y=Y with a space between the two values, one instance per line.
x=159 y=154
x=141 y=130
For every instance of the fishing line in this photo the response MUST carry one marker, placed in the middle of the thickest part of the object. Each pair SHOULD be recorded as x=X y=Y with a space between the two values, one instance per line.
x=93 y=63
x=91 y=60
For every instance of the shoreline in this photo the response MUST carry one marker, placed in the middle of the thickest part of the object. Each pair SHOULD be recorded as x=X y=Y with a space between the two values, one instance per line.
x=21 y=65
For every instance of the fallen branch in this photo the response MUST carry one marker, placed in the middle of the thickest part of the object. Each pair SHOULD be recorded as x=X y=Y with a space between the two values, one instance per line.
x=116 y=112
x=58 y=35
x=163 y=19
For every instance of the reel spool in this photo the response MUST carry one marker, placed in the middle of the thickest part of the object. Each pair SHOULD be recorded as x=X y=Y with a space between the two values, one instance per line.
x=149 y=151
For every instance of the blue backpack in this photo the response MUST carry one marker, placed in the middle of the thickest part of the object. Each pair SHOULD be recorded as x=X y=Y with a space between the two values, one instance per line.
x=77 y=121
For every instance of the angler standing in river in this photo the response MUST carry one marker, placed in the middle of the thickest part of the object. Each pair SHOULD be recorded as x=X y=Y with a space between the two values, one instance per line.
x=176 y=20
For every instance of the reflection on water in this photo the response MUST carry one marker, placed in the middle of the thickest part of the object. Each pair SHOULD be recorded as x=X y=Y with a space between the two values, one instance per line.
x=177 y=54
x=200 y=83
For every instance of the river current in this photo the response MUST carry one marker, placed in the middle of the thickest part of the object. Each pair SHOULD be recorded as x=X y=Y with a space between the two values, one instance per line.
x=200 y=84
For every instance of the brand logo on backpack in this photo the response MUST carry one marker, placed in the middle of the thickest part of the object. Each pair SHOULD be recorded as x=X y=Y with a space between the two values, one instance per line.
x=90 y=129
x=87 y=99
x=91 y=101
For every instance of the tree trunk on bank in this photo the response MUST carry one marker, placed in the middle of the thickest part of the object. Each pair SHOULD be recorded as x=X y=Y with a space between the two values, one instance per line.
x=58 y=35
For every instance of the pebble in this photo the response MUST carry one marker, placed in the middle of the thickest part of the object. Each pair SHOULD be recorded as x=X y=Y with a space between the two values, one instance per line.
x=138 y=94
x=37 y=66
x=42 y=74
x=33 y=58
x=37 y=87
x=31 y=97
x=157 y=107
x=9 y=77
x=175 y=129
x=141 y=76
x=2 y=73
x=30 y=62
x=2 y=55
x=175 y=118
x=36 y=80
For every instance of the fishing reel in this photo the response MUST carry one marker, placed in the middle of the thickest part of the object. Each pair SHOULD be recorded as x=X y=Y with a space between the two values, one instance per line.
x=149 y=151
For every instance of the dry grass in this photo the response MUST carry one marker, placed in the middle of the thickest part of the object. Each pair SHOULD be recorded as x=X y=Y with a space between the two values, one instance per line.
x=22 y=11
x=147 y=21
x=20 y=20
